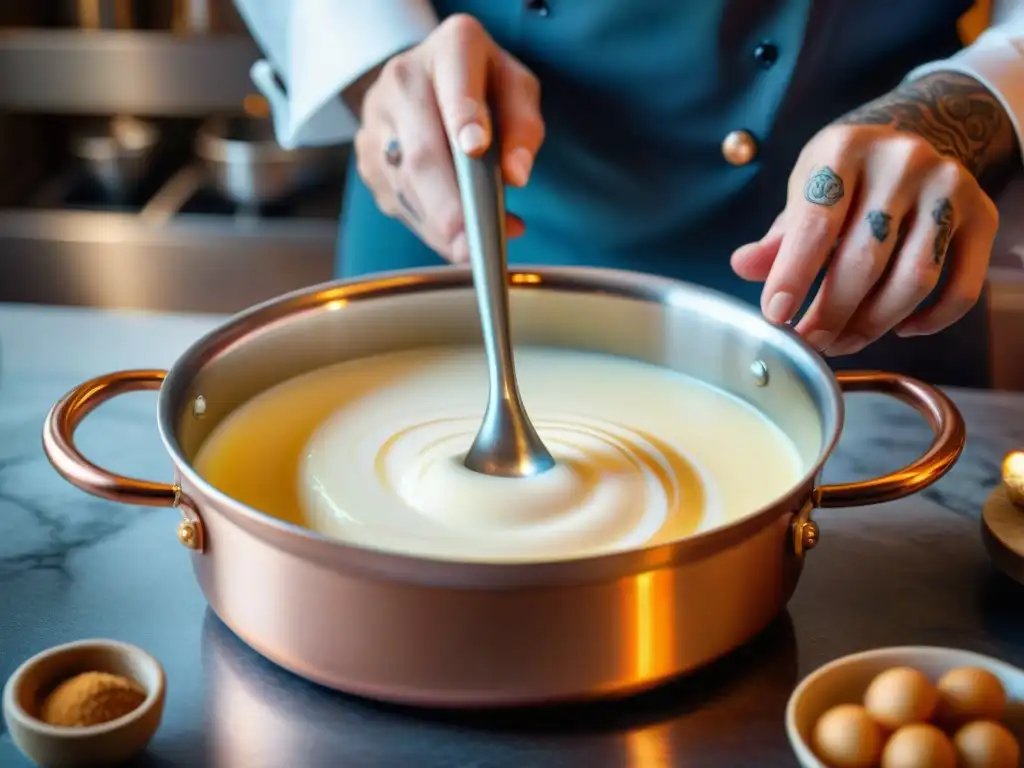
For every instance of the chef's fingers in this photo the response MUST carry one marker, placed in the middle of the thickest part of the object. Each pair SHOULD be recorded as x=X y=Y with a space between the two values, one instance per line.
x=425 y=175
x=461 y=62
x=969 y=256
x=753 y=261
x=819 y=197
x=516 y=103
x=914 y=273
x=871 y=237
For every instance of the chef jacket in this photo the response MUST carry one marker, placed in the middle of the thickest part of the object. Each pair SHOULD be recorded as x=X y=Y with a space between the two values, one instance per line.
x=672 y=126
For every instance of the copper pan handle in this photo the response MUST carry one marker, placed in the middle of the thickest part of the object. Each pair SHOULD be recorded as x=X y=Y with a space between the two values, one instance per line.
x=947 y=445
x=60 y=449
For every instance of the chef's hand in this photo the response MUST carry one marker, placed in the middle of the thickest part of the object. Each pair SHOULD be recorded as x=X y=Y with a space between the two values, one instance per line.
x=881 y=199
x=422 y=96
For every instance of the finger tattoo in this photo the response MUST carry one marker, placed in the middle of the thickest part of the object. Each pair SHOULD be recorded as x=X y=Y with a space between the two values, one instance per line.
x=880 y=223
x=942 y=215
x=825 y=187
x=410 y=209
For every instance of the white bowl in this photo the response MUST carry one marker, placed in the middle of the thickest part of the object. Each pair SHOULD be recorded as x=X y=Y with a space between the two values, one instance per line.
x=845 y=680
x=67 y=747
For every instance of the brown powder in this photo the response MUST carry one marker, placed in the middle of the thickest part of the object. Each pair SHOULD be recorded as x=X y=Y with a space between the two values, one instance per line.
x=91 y=698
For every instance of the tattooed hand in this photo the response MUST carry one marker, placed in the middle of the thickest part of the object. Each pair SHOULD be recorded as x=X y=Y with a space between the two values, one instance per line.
x=443 y=88
x=883 y=198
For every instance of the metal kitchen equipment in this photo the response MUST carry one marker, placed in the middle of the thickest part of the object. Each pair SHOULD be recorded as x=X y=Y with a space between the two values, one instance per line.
x=435 y=632
x=507 y=443
x=94 y=15
x=116 y=153
x=206 y=17
x=248 y=167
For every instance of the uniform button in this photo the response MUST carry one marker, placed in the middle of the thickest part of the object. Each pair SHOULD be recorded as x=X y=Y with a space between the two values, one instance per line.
x=540 y=7
x=766 y=54
x=739 y=147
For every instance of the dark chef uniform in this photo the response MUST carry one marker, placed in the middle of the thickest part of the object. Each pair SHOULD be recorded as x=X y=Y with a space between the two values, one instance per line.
x=672 y=127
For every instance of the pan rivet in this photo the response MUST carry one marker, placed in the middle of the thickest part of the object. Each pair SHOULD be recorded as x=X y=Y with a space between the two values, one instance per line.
x=199 y=407
x=759 y=371
x=809 y=534
x=187 y=534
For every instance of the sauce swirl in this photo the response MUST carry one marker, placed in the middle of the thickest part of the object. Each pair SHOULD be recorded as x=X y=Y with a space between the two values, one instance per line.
x=370 y=451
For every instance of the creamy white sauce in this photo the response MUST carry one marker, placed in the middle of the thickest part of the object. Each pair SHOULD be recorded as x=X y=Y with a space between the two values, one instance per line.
x=644 y=456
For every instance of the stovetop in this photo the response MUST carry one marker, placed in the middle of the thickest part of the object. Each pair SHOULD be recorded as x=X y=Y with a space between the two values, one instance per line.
x=175 y=193
x=315 y=203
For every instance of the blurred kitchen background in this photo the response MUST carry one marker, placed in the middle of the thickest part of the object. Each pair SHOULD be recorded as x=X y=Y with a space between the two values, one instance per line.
x=138 y=169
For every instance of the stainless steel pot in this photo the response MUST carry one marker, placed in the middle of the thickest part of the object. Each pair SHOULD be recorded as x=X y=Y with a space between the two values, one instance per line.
x=436 y=632
x=116 y=153
x=248 y=167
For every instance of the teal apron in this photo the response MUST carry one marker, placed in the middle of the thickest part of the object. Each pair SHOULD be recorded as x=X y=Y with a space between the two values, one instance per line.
x=637 y=98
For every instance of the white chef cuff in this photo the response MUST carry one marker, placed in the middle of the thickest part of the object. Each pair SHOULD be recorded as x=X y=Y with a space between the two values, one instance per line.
x=330 y=44
x=996 y=60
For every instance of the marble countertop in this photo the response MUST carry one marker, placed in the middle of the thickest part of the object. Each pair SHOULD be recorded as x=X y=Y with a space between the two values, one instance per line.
x=73 y=567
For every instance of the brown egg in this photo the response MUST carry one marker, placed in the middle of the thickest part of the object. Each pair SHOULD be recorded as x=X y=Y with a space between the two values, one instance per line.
x=919 y=746
x=846 y=737
x=901 y=696
x=969 y=693
x=985 y=744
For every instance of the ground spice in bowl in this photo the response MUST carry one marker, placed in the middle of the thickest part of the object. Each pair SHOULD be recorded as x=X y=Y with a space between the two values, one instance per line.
x=91 y=698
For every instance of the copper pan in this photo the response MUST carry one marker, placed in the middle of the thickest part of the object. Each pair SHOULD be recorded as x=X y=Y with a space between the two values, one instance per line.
x=445 y=633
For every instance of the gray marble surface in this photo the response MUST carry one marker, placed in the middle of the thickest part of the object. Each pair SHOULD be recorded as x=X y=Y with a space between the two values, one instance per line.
x=73 y=567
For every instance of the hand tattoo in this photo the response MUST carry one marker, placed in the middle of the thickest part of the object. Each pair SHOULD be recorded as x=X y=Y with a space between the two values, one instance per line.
x=409 y=209
x=942 y=215
x=825 y=187
x=879 y=222
x=954 y=113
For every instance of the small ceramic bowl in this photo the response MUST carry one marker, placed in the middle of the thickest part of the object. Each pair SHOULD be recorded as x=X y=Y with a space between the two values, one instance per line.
x=845 y=680
x=66 y=747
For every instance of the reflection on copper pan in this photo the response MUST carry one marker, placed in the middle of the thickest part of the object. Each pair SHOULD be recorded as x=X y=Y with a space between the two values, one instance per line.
x=261 y=716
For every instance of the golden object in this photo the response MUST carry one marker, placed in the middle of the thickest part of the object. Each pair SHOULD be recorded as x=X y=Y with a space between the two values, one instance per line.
x=739 y=147
x=1002 y=532
x=256 y=105
x=58 y=438
x=975 y=21
x=188 y=534
x=1013 y=476
x=91 y=698
x=809 y=535
x=651 y=606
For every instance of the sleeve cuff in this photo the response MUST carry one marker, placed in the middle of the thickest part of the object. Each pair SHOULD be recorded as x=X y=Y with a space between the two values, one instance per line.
x=996 y=60
x=331 y=43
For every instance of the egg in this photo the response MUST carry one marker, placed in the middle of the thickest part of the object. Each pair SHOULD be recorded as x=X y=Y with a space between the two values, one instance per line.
x=900 y=696
x=970 y=693
x=919 y=745
x=847 y=737
x=986 y=744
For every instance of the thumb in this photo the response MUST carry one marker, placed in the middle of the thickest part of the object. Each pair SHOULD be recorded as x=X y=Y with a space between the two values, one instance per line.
x=754 y=261
x=460 y=69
